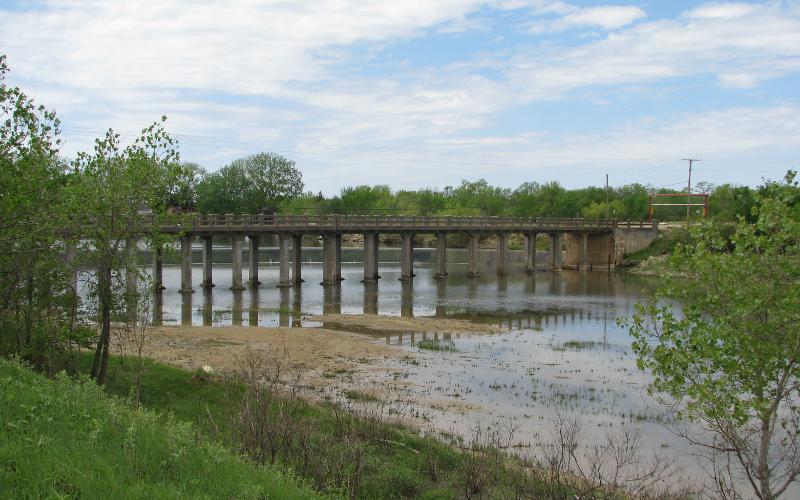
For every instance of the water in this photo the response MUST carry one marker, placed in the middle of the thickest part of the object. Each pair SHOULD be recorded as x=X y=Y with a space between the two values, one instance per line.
x=561 y=352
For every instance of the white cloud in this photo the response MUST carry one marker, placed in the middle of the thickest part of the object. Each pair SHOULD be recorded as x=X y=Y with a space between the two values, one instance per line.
x=722 y=11
x=607 y=17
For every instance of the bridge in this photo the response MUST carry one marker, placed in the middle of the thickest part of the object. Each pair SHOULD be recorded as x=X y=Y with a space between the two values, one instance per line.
x=573 y=243
x=588 y=242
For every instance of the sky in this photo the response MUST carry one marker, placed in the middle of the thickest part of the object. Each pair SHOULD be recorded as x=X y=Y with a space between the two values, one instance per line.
x=426 y=93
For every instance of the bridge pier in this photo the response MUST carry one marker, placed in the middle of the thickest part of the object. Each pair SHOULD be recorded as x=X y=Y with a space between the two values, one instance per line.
x=530 y=253
x=236 y=262
x=441 y=255
x=284 y=242
x=186 y=265
x=208 y=266
x=407 y=299
x=406 y=256
x=328 y=260
x=473 y=247
x=255 y=241
x=583 y=261
x=158 y=268
x=556 y=258
x=338 y=247
x=502 y=252
x=297 y=258
x=370 y=258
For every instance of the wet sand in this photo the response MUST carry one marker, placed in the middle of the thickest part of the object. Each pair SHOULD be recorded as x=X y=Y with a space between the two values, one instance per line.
x=399 y=324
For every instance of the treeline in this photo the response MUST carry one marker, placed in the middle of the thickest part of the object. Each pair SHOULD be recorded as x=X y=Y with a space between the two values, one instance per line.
x=267 y=181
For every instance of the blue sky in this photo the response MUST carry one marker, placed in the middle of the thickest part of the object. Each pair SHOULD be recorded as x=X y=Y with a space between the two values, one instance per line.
x=426 y=93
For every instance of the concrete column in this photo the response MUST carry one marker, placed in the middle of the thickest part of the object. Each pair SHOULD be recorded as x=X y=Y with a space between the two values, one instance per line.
x=328 y=260
x=70 y=253
x=530 y=253
x=208 y=307
x=255 y=241
x=297 y=258
x=473 y=247
x=555 y=251
x=284 y=242
x=337 y=245
x=236 y=260
x=186 y=267
x=406 y=256
x=583 y=254
x=502 y=252
x=236 y=308
x=158 y=268
x=208 y=264
x=370 y=258
x=441 y=255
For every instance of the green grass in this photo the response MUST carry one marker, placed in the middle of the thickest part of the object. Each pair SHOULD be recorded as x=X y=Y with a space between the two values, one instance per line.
x=580 y=344
x=66 y=438
x=433 y=345
x=393 y=461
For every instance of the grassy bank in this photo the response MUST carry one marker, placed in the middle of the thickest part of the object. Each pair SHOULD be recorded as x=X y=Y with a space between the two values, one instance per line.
x=64 y=438
x=365 y=456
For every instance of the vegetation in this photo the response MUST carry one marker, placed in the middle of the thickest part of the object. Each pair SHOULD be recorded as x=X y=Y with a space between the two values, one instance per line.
x=63 y=438
x=730 y=361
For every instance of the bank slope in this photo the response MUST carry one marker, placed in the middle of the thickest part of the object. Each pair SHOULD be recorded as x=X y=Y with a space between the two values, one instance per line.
x=66 y=438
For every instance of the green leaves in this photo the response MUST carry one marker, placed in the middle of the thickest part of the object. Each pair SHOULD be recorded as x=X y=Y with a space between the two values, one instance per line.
x=729 y=355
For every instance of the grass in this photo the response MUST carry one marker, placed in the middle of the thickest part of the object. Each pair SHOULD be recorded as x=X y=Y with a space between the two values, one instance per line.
x=65 y=438
x=433 y=345
x=580 y=344
x=391 y=461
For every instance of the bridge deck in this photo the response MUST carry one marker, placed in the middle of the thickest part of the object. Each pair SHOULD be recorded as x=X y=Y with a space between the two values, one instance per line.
x=202 y=224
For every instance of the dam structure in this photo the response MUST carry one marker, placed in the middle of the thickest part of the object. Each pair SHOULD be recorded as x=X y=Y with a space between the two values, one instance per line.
x=573 y=243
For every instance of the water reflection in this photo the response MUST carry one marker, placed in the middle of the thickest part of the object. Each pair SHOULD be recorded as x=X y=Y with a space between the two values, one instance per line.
x=407 y=299
x=208 y=306
x=255 y=304
x=370 y=298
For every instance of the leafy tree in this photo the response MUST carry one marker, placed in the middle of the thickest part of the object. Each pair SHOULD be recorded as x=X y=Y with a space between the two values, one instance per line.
x=112 y=190
x=731 y=361
x=183 y=179
x=249 y=184
x=35 y=314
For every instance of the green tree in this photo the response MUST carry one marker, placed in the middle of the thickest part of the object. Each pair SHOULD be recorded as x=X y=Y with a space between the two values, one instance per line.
x=113 y=191
x=249 y=184
x=730 y=361
x=35 y=313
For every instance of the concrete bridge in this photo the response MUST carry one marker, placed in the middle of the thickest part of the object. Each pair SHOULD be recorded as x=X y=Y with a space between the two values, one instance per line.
x=573 y=243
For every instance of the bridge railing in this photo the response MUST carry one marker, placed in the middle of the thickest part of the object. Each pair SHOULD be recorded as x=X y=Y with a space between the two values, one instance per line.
x=335 y=222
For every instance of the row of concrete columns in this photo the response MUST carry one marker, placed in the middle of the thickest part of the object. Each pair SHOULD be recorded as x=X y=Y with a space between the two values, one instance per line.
x=290 y=258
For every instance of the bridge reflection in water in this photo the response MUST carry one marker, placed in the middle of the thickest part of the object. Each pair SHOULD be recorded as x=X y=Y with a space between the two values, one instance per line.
x=539 y=302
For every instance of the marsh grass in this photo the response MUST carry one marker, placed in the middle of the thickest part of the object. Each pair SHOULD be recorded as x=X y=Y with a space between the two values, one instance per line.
x=433 y=345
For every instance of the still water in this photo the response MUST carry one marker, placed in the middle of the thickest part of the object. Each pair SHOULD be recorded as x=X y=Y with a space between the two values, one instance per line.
x=561 y=352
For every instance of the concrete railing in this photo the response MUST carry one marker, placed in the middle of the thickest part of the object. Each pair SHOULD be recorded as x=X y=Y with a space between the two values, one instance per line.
x=358 y=223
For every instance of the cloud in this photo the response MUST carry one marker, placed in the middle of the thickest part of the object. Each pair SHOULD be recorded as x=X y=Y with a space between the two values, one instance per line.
x=722 y=11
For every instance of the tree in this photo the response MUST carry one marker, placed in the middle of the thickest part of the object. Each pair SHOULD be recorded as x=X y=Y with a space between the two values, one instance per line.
x=35 y=313
x=249 y=184
x=113 y=190
x=730 y=362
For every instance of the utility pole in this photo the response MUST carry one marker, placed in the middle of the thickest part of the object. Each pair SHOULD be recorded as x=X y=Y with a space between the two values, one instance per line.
x=689 y=189
x=606 y=196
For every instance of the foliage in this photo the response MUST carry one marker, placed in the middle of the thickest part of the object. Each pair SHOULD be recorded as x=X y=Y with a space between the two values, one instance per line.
x=109 y=193
x=36 y=319
x=65 y=439
x=731 y=360
x=250 y=184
